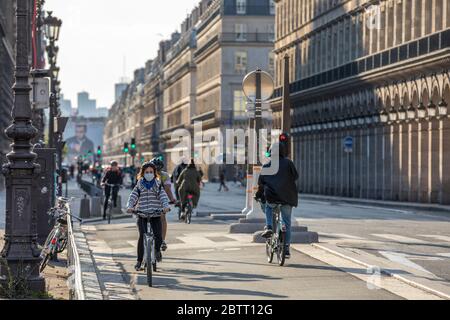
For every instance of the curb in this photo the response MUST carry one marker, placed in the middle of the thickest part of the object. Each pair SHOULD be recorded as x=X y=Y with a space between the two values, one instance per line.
x=380 y=203
x=115 y=217
x=387 y=272
x=90 y=283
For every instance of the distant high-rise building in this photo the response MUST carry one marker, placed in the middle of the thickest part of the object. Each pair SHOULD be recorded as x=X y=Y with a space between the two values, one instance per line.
x=102 y=112
x=119 y=89
x=86 y=107
x=66 y=106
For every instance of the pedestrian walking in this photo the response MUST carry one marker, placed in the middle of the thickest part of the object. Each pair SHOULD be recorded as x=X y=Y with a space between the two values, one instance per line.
x=222 y=180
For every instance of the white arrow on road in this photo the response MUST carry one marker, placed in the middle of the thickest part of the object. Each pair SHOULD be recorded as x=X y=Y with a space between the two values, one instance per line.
x=404 y=259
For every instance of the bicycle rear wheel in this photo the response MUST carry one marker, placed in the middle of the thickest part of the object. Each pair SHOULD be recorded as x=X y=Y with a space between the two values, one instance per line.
x=148 y=262
x=188 y=215
x=281 y=248
x=109 y=212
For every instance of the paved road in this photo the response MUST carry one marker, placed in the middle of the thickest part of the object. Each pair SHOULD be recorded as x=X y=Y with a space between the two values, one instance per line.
x=205 y=262
x=416 y=239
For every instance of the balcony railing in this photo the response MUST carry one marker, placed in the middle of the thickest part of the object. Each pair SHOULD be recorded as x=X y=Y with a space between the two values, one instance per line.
x=236 y=37
x=247 y=37
x=256 y=10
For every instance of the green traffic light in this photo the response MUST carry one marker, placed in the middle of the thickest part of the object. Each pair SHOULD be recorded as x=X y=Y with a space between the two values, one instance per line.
x=126 y=150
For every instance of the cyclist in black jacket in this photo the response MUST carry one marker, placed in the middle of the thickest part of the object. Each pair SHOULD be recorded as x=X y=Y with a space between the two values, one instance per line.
x=112 y=176
x=279 y=189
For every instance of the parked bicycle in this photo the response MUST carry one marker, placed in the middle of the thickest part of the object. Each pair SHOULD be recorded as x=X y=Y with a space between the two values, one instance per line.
x=57 y=239
x=150 y=259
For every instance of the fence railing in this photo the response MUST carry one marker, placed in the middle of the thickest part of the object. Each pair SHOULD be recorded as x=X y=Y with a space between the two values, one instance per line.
x=73 y=264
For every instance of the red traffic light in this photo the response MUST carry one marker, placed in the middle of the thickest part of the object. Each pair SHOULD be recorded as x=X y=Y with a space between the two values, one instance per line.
x=283 y=137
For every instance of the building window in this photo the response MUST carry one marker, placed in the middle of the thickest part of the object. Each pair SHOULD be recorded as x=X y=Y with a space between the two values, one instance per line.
x=240 y=62
x=241 y=31
x=239 y=103
x=271 y=63
x=241 y=6
x=271 y=32
x=272 y=7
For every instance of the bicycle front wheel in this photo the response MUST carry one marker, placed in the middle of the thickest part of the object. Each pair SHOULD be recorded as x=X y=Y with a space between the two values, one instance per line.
x=148 y=262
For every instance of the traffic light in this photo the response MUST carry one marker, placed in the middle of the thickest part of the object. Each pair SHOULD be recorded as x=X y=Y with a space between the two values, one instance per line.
x=99 y=151
x=133 y=144
x=125 y=147
x=284 y=137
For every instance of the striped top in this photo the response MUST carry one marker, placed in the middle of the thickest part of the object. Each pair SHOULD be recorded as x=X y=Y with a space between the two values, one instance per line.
x=145 y=200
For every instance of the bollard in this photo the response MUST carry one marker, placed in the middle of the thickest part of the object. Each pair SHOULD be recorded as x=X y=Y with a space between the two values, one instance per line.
x=96 y=207
x=85 y=210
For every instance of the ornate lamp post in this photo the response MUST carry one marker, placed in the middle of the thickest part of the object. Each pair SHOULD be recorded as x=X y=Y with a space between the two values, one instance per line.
x=52 y=28
x=21 y=253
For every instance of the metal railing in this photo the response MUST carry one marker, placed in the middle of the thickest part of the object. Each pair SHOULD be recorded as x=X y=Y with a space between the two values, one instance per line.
x=246 y=37
x=73 y=264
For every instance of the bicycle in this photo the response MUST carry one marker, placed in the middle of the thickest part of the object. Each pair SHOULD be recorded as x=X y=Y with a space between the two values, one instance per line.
x=276 y=244
x=189 y=208
x=150 y=262
x=57 y=239
x=110 y=200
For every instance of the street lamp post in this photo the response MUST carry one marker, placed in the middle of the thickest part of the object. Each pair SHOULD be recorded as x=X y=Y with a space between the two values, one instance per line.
x=20 y=252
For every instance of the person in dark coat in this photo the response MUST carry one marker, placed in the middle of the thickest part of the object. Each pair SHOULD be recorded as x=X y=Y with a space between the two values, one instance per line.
x=189 y=183
x=222 y=180
x=112 y=180
x=279 y=189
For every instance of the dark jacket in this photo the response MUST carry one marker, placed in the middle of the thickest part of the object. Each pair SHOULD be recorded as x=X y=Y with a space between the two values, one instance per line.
x=112 y=177
x=279 y=188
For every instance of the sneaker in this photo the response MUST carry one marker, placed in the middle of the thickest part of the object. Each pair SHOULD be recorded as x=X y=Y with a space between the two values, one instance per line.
x=267 y=233
x=138 y=266
x=163 y=246
x=158 y=256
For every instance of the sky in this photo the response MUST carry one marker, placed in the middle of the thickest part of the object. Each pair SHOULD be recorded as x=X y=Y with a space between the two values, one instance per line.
x=99 y=37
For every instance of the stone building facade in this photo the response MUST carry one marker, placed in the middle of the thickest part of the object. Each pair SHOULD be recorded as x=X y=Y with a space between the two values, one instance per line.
x=7 y=58
x=196 y=76
x=376 y=73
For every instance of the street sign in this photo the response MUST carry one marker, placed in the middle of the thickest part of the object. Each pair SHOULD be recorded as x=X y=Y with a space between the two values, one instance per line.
x=249 y=85
x=348 y=144
x=40 y=93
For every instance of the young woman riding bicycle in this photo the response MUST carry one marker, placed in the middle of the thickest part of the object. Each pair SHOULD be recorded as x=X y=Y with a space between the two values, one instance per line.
x=148 y=195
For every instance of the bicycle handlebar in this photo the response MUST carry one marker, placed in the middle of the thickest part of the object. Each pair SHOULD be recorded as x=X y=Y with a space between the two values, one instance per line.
x=146 y=214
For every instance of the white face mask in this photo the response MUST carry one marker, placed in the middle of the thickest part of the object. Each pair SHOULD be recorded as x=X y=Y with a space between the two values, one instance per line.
x=149 y=176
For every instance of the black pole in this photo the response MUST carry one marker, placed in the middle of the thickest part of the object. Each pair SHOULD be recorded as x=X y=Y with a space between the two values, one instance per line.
x=20 y=252
x=258 y=115
x=286 y=107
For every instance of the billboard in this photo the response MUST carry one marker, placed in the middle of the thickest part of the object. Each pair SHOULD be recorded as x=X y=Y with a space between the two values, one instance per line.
x=83 y=136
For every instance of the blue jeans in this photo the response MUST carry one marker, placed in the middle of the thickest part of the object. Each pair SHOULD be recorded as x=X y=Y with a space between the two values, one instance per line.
x=286 y=214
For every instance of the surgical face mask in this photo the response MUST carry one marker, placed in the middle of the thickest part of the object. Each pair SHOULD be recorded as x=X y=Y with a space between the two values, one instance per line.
x=149 y=176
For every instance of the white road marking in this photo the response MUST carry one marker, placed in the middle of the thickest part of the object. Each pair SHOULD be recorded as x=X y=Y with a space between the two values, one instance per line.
x=197 y=240
x=340 y=235
x=438 y=237
x=206 y=250
x=398 y=238
x=402 y=259
x=446 y=255
x=379 y=208
x=232 y=249
x=373 y=281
